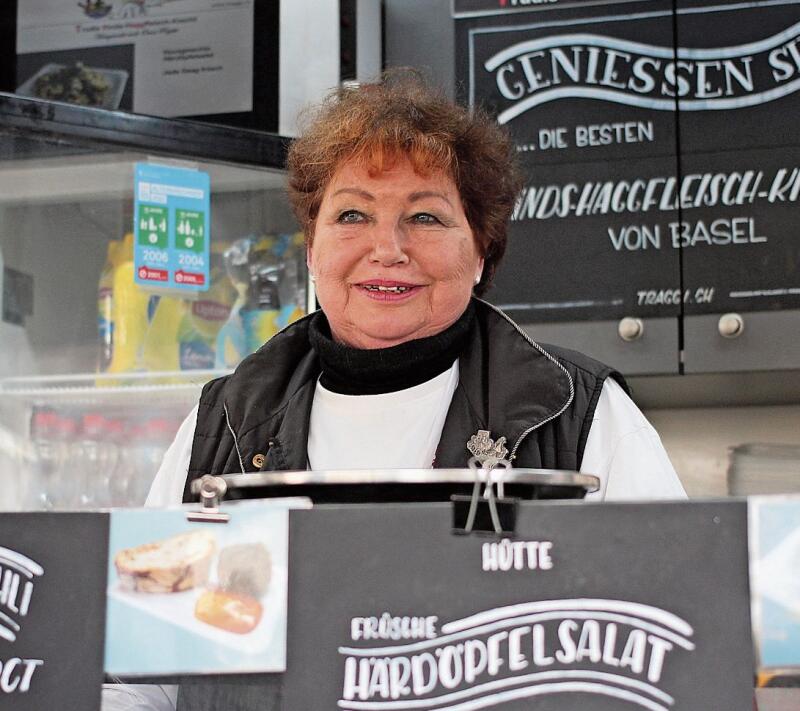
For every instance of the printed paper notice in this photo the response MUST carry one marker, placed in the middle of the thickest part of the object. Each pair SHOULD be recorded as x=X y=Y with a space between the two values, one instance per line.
x=158 y=57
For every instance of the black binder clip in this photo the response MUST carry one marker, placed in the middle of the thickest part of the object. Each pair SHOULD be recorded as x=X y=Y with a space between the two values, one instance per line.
x=211 y=490
x=485 y=512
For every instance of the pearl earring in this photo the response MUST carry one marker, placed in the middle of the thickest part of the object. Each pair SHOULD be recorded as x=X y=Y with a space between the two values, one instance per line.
x=477 y=279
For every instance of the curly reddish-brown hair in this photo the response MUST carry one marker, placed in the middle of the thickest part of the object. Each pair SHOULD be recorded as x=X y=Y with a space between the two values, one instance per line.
x=403 y=117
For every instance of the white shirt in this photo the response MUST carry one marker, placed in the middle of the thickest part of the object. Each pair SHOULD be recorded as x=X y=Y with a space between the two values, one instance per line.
x=350 y=431
x=623 y=449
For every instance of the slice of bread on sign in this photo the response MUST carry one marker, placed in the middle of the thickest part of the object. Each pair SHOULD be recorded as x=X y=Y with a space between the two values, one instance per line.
x=171 y=565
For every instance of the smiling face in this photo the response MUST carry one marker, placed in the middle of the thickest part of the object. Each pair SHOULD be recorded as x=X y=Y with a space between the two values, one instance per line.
x=393 y=255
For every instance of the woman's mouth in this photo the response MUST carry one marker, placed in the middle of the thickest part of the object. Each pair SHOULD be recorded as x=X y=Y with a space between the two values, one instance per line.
x=388 y=290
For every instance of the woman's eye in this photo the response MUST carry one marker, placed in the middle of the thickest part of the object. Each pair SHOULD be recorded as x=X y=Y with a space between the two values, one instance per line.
x=349 y=217
x=424 y=218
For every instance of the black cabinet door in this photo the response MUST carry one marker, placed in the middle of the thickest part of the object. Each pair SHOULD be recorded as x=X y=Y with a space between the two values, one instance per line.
x=585 y=92
x=739 y=102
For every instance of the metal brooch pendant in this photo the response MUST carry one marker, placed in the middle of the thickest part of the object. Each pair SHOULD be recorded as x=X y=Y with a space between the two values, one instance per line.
x=488 y=452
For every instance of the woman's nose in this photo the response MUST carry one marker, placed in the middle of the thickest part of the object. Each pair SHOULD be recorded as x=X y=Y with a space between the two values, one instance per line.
x=388 y=245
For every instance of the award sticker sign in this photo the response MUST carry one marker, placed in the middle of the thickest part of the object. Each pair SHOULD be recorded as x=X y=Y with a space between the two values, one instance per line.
x=52 y=610
x=197 y=598
x=172 y=211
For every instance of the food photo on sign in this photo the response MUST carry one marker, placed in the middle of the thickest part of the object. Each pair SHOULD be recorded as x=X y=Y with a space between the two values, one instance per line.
x=187 y=597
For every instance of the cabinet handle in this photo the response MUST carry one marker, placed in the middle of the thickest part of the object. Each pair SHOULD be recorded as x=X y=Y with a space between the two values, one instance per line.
x=630 y=329
x=730 y=325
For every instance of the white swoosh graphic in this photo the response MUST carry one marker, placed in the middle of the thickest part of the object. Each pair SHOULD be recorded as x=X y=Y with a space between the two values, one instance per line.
x=656 y=614
x=620 y=97
x=513 y=681
x=592 y=40
x=22 y=563
x=543 y=689
x=8 y=628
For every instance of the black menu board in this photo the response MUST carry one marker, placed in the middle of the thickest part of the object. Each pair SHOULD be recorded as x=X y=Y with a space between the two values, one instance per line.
x=591 y=607
x=52 y=610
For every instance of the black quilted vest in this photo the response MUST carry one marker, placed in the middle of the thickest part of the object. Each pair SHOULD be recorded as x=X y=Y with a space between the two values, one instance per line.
x=540 y=398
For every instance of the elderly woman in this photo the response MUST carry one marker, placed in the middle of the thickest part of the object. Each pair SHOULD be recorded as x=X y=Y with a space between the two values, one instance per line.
x=404 y=198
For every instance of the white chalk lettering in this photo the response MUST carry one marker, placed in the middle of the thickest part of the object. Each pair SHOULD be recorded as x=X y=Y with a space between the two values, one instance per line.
x=389 y=626
x=610 y=637
x=658 y=193
x=540 y=658
x=613 y=69
x=13 y=679
x=508 y=555
x=475 y=659
x=516 y=659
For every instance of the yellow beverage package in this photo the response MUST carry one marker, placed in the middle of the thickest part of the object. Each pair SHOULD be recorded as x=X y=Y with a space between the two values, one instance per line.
x=161 y=345
x=129 y=313
x=260 y=325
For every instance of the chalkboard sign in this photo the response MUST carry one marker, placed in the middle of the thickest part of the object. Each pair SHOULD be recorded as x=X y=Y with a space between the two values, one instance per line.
x=740 y=155
x=660 y=147
x=52 y=610
x=596 y=136
x=591 y=607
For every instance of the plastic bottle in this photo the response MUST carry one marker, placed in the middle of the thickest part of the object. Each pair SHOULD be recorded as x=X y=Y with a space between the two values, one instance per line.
x=64 y=489
x=148 y=443
x=260 y=318
x=105 y=301
x=292 y=287
x=289 y=260
x=124 y=473
x=231 y=344
x=93 y=457
x=129 y=311
x=46 y=461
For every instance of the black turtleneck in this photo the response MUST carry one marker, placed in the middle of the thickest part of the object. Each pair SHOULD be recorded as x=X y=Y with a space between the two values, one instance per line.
x=356 y=371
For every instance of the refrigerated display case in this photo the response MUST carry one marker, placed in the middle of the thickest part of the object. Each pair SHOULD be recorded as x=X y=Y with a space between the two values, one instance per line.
x=101 y=354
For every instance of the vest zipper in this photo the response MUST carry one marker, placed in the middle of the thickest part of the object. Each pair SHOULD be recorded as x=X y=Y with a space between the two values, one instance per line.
x=541 y=350
x=233 y=434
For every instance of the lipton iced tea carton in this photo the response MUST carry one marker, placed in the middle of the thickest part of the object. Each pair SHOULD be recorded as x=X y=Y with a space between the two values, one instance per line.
x=203 y=318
